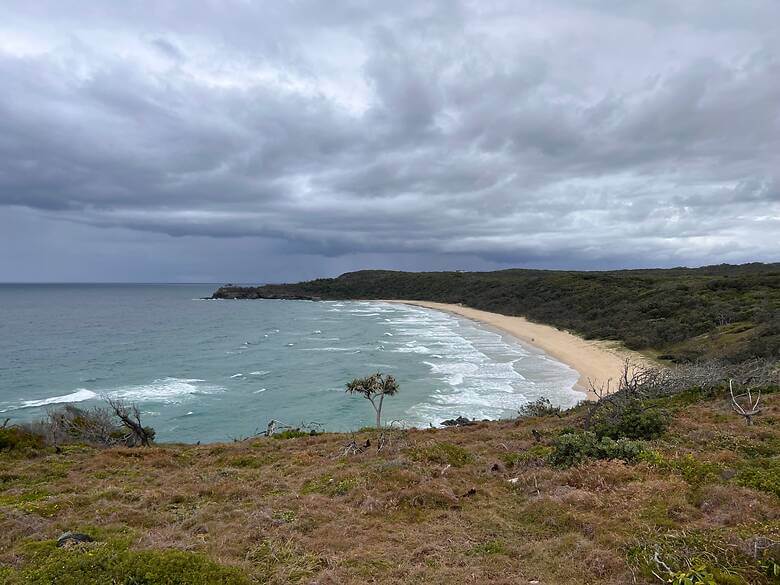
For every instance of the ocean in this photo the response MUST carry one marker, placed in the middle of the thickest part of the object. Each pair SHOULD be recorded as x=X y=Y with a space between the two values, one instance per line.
x=203 y=370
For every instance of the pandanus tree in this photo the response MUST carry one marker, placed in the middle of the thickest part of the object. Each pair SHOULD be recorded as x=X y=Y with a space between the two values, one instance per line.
x=374 y=388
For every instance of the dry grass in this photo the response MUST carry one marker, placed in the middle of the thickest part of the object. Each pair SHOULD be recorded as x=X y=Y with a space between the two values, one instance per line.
x=431 y=506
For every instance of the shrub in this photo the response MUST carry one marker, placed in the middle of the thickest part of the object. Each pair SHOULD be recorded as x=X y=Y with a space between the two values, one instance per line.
x=574 y=448
x=623 y=448
x=761 y=474
x=540 y=407
x=116 y=424
x=694 y=471
x=100 y=563
x=632 y=422
x=19 y=439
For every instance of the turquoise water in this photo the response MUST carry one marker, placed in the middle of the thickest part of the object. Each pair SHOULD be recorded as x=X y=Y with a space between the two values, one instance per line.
x=215 y=370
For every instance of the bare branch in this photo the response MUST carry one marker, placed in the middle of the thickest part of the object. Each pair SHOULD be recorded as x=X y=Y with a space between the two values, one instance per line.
x=748 y=411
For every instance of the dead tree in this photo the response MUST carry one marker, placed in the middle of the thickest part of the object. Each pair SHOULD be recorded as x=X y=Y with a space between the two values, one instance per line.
x=130 y=418
x=72 y=424
x=751 y=408
x=636 y=383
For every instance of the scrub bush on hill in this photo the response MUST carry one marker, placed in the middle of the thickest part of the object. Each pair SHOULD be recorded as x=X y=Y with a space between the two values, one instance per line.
x=574 y=448
x=633 y=422
x=114 y=425
x=540 y=407
x=19 y=440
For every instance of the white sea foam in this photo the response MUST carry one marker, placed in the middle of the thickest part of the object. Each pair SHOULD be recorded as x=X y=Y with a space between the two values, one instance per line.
x=478 y=369
x=259 y=391
x=239 y=375
x=260 y=373
x=77 y=396
x=164 y=390
x=161 y=390
x=350 y=349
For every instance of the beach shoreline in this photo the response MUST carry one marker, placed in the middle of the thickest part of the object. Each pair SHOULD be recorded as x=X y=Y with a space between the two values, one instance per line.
x=596 y=362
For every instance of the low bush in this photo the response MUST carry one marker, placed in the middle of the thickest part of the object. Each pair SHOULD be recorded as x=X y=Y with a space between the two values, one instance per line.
x=574 y=448
x=539 y=407
x=101 y=563
x=632 y=422
x=761 y=474
x=694 y=471
x=19 y=440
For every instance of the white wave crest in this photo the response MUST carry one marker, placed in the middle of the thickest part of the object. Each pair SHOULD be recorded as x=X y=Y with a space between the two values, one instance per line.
x=77 y=396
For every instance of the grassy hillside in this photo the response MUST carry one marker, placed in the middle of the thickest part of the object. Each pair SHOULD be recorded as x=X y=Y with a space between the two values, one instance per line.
x=500 y=502
x=680 y=314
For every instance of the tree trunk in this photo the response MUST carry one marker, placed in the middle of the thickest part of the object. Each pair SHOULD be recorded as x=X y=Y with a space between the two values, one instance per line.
x=379 y=412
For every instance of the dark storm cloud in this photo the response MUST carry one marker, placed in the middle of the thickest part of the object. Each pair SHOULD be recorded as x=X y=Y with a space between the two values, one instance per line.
x=587 y=134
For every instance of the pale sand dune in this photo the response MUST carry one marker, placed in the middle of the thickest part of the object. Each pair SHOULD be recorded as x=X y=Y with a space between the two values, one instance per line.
x=598 y=361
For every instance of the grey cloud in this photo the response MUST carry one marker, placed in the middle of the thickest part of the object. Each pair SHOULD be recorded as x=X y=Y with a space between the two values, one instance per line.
x=168 y=48
x=489 y=133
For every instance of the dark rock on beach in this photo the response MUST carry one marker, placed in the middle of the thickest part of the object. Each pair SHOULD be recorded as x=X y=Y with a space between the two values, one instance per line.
x=461 y=421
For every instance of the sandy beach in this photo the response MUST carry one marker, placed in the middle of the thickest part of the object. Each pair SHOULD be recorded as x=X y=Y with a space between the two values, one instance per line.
x=597 y=361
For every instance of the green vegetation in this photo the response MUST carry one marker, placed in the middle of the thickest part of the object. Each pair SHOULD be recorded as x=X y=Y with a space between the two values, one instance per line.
x=761 y=474
x=540 y=407
x=329 y=486
x=442 y=454
x=707 y=557
x=112 y=562
x=633 y=422
x=679 y=314
x=491 y=547
x=19 y=440
x=574 y=448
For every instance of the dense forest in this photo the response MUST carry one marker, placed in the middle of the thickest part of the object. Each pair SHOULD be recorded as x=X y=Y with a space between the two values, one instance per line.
x=677 y=314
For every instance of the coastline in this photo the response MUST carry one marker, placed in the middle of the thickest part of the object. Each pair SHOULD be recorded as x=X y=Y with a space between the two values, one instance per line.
x=594 y=361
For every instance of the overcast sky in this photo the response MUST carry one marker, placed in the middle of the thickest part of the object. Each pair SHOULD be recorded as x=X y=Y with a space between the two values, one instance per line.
x=251 y=141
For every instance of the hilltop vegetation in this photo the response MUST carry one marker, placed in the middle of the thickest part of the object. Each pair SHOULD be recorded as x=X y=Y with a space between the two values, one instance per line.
x=692 y=491
x=678 y=314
